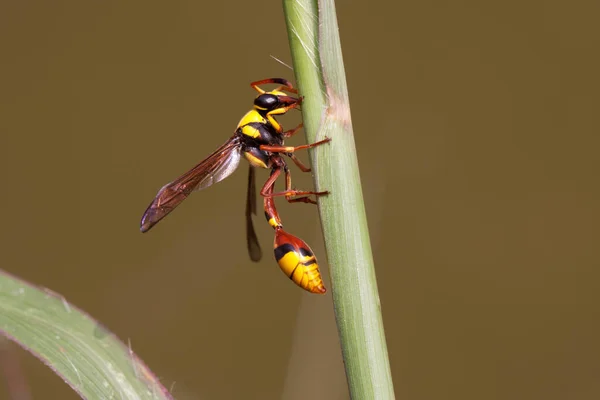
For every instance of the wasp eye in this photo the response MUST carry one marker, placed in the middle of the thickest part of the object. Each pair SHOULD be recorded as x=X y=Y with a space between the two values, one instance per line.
x=266 y=101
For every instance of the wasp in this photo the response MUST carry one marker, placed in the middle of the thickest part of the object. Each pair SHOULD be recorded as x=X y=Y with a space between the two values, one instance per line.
x=259 y=137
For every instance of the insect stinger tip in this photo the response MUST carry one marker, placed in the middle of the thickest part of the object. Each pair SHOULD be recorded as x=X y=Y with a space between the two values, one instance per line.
x=319 y=289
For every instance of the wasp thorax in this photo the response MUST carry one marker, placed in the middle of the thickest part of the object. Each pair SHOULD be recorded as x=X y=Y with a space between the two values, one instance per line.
x=266 y=101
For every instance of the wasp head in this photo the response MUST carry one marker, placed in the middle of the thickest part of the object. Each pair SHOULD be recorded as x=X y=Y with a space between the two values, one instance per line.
x=270 y=101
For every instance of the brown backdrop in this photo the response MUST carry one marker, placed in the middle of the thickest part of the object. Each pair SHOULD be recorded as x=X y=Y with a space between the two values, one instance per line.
x=477 y=132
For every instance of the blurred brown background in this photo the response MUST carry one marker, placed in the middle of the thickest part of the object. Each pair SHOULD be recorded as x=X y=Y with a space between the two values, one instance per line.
x=477 y=131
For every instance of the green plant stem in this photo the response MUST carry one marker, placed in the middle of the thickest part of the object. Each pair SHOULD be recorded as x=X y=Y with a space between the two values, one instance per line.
x=319 y=69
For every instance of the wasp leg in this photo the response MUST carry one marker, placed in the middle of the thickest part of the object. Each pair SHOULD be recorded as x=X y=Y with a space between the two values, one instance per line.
x=287 y=85
x=291 y=149
x=288 y=187
x=292 y=132
x=269 y=204
x=293 y=193
x=282 y=110
x=267 y=189
x=299 y=163
x=303 y=199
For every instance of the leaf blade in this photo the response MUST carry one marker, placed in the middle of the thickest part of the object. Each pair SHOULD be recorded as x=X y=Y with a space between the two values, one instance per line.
x=90 y=359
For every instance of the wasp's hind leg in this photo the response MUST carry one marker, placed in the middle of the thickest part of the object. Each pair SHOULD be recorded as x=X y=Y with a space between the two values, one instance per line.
x=299 y=163
x=291 y=198
x=291 y=195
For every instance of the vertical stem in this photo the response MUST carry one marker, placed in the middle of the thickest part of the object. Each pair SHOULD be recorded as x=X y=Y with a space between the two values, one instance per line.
x=318 y=66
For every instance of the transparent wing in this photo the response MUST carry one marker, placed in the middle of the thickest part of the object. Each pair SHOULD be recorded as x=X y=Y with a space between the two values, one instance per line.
x=216 y=167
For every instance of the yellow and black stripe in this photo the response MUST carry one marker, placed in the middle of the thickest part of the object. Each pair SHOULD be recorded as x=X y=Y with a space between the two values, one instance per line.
x=298 y=262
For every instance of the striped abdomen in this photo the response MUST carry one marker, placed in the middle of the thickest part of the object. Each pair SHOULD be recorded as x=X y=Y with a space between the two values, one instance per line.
x=297 y=261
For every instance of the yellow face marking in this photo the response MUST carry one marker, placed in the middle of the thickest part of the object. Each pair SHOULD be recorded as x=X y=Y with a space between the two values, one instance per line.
x=273 y=223
x=279 y=111
x=251 y=116
x=255 y=161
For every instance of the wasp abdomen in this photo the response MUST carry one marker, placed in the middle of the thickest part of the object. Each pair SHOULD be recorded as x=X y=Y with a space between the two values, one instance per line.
x=298 y=262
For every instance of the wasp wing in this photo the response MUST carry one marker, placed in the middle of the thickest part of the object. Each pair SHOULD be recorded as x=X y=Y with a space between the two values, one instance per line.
x=216 y=167
x=251 y=238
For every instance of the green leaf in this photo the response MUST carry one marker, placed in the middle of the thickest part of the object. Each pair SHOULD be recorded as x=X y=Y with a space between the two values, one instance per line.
x=90 y=359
